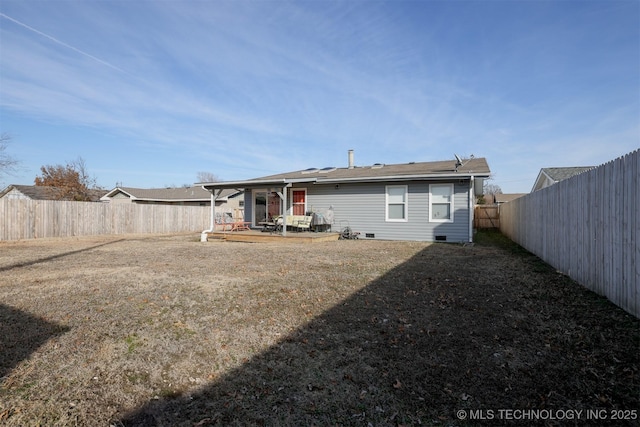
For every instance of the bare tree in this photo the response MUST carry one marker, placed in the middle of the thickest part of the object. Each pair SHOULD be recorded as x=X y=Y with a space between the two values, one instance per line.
x=71 y=182
x=488 y=192
x=7 y=163
x=207 y=177
x=491 y=189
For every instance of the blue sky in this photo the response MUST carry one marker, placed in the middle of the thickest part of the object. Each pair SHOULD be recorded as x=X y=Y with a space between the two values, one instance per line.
x=149 y=93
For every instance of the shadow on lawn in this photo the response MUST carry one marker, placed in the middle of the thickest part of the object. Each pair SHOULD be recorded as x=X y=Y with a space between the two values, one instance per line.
x=52 y=257
x=20 y=335
x=436 y=335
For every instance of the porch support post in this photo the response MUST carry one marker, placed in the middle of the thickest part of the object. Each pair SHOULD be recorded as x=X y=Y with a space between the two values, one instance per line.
x=284 y=213
x=212 y=224
x=472 y=196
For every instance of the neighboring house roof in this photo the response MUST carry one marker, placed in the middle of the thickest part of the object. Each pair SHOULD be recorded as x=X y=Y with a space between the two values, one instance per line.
x=184 y=194
x=476 y=167
x=549 y=176
x=41 y=192
x=504 y=198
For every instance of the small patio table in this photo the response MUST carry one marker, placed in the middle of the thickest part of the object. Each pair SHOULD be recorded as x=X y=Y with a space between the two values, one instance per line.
x=241 y=225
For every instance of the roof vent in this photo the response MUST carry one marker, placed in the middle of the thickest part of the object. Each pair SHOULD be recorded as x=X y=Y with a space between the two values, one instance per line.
x=310 y=170
x=377 y=166
x=328 y=169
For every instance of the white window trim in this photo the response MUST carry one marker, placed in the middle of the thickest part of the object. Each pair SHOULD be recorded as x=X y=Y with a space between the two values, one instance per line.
x=451 y=203
x=406 y=203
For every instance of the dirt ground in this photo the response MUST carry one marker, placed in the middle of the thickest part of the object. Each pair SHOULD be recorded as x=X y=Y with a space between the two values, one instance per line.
x=169 y=331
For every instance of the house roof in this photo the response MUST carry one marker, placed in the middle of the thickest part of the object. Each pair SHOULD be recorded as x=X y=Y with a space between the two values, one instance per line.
x=560 y=174
x=184 y=194
x=556 y=175
x=504 y=198
x=41 y=192
x=476 y=167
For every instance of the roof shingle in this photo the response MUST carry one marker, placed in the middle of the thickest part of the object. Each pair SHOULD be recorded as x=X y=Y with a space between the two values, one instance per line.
x=474 y=165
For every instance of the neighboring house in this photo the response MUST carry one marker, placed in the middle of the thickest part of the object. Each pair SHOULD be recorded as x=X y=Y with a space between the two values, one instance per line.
x=41 y=192
x=550 y=176
x=498 y=199
x=187 y=196
x=427 y=201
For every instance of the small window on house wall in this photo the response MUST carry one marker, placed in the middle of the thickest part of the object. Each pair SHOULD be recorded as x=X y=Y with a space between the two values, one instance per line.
x=397 y=202
x=441 y=202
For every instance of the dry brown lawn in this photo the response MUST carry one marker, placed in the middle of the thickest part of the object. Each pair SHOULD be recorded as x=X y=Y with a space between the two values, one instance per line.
x=167 y=331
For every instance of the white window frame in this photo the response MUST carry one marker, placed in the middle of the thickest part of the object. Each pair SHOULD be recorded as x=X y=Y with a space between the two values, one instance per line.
x=405 y=188
x=451 y=204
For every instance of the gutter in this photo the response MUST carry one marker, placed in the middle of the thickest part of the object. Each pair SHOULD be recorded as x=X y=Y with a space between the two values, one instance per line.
x=168 y=200
x=399 y=178
x=255 y=183
x=284 y=181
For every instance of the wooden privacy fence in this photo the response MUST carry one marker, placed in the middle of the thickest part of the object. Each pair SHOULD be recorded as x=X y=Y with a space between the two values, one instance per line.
x=486 y=217
x=587 y=227
x=31 y=219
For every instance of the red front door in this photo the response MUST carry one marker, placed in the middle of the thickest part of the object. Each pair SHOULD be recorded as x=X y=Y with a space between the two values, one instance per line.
x=299 y=201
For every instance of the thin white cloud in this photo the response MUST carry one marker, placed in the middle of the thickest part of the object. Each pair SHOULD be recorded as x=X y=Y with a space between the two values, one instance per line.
x=61 y=43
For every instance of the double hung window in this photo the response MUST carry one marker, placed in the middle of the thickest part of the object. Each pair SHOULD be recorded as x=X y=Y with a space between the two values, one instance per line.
x=441 y=202
x=397 y=196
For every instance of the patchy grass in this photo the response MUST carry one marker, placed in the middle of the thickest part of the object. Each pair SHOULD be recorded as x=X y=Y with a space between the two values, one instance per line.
x=165 y=330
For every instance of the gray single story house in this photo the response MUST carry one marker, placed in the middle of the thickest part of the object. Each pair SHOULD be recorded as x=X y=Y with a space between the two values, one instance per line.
x=42 y=192
x=227 y=205
x=423 y=201
x=184 y=196
x=549 y=176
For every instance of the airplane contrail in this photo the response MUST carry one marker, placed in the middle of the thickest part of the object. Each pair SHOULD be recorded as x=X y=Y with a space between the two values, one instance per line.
x=53 y=39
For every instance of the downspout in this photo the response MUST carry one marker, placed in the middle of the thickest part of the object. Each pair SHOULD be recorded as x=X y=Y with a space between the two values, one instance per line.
x=205 y=234
x=472 y=193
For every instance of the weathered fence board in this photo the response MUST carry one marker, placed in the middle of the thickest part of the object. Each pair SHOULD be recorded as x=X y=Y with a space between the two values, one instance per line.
x=31 y=219
x=486 y=217
x=587 y=227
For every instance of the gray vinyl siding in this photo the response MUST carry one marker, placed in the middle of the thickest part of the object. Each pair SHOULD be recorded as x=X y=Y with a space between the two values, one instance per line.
x=248 y=205
x=362 y=207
